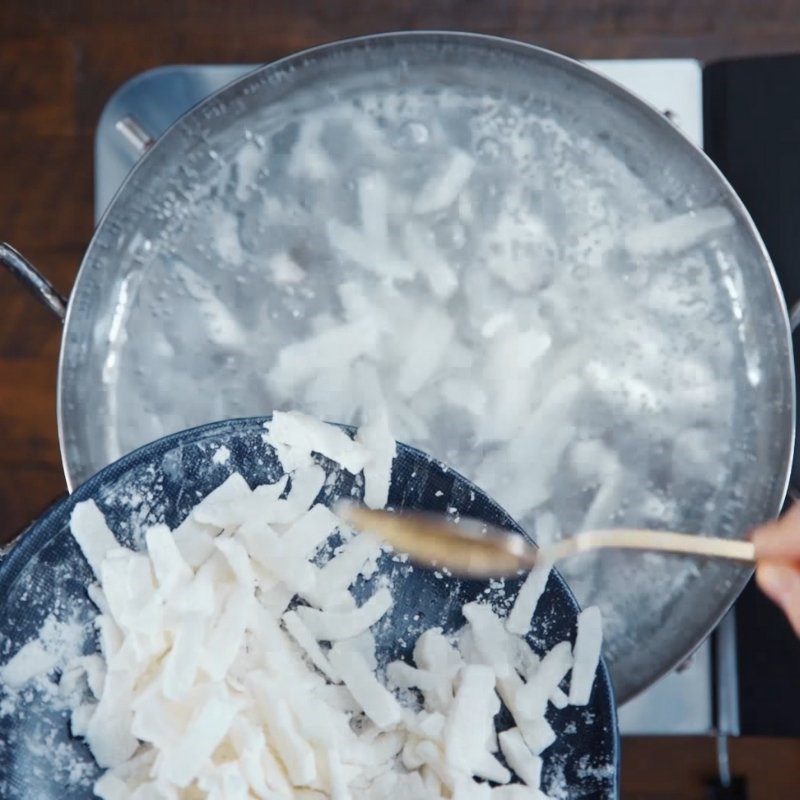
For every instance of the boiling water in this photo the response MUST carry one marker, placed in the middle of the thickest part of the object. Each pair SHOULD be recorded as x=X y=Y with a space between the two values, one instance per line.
x=516 y=297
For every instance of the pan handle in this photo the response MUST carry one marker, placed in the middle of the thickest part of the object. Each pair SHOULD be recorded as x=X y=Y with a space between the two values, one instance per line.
x=794 y=478
x=20 y=267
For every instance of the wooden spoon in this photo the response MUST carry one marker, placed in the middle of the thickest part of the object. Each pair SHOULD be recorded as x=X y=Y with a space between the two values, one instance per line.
x=474 y=549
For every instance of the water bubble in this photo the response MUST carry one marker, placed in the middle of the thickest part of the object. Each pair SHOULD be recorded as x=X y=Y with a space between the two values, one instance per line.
x=580 y=272
x=451 y=235
x=488 y=148
x=411 y=134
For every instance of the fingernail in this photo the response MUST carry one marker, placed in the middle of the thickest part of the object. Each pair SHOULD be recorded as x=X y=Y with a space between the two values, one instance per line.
x=777 y=581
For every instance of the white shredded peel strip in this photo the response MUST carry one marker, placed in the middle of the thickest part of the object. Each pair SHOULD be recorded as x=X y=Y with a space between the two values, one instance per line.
x=519 y=619
x=331 y=626
x=588 y=644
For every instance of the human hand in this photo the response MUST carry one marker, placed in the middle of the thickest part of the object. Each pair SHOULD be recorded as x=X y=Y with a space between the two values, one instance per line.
x=778 y=572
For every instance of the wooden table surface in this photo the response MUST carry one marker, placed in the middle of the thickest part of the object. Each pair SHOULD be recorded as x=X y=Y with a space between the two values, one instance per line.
x=61 y=60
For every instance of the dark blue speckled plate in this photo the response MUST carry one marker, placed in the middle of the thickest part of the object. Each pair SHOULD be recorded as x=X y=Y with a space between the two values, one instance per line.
x=45 y=575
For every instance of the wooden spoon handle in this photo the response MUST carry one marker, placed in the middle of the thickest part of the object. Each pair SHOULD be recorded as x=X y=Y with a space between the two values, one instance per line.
x=660 y=541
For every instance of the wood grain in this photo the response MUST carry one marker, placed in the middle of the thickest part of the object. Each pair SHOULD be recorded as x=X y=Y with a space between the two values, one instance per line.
x=60 y=60
x=680 y=767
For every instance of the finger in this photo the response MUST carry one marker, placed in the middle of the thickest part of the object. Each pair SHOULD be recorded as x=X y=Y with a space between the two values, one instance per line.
x=781 y=583
x=779 y=539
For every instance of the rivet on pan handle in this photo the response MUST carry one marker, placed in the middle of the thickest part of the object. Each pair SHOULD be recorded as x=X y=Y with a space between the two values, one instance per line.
x=135 y=134
x=19 y=266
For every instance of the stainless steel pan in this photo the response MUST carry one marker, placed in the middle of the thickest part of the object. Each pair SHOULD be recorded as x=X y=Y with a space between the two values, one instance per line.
x=110 y=400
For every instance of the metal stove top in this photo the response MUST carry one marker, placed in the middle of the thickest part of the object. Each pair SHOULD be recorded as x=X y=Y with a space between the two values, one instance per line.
x=144 y=107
